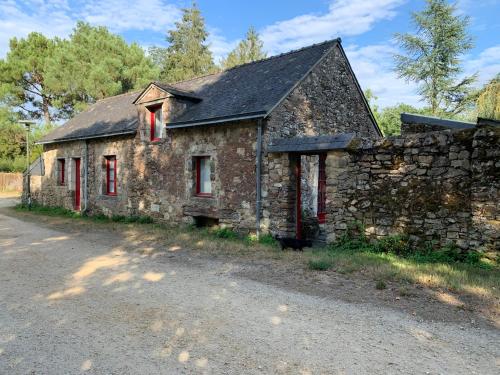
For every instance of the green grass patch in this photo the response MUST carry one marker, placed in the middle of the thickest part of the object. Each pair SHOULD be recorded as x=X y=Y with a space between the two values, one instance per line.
x=395 y=259
x=320 y=264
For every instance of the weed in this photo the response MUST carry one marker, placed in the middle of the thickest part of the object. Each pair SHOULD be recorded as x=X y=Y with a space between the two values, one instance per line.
x=320 y=264
x=380 y=285
x=226 y=233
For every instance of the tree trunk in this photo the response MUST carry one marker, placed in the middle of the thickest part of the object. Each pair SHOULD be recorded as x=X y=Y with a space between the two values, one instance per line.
x=45 y=109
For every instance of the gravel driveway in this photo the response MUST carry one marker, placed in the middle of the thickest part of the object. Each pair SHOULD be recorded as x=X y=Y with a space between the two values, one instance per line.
x=73 y=303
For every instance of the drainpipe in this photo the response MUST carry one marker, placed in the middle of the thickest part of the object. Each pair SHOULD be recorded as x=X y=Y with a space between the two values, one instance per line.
x=85 y=176
x=258 y=177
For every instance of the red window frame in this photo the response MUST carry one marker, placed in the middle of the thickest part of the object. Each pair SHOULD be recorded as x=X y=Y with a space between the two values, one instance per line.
x=199 y=193
x=110 y=159
x=61 y=164
x=152 y=120
x=322 y=189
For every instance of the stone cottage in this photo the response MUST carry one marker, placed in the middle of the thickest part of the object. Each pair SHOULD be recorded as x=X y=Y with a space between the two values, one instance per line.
x=197 y=151
x=286 y=145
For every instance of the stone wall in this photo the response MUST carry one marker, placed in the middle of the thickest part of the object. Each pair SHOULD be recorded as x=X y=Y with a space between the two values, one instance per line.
x=326 y=102
x=164 y=174
x=439 y=186
x=49 y=192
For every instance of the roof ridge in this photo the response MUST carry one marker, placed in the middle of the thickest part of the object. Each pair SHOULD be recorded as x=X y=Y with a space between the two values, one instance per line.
x=338 y=40
x=115 y=96
x=286 y=53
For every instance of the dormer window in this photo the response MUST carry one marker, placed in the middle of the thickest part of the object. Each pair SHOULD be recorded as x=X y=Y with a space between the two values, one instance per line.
x=156 y=123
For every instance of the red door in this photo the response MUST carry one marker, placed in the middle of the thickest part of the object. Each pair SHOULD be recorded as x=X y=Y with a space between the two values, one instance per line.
x=77 y=184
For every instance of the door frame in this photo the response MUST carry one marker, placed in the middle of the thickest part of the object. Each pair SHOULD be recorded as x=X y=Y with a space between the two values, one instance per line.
x=77 y=201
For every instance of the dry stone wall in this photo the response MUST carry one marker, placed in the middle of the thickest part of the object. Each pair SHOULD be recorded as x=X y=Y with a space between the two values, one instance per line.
x=438 y=186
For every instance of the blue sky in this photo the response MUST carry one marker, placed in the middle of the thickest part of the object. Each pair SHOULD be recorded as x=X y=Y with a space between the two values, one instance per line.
x=365 y=26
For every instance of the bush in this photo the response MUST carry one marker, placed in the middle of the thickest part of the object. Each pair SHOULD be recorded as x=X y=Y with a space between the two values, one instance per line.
x=398 y=245
x=225 y=233
x=320 y=264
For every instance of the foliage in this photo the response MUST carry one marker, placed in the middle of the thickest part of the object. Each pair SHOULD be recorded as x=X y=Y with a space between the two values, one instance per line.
x=13 y=141
x=432 y=57
x=248 y=50
x=319 y=264
x=94 y=64
x=488 y=101
x=187 y=55
x=23 y=76
x=389 y=118
x=225 y=233
x=53 y=78
x=380 y=285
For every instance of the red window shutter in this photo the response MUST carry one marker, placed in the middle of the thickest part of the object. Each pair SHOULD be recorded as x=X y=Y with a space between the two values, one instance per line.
x=322 y=189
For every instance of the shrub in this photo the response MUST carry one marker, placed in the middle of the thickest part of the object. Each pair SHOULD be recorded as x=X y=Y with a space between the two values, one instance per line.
x=226 y=233
x=145 y=220
x=320 y=264
x=398 y=245
x=380 y=285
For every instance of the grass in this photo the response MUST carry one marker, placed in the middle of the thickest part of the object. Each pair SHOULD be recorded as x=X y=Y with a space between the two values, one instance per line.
x=64 y=212
x=223 y=239
x=390 y=260
x=394 y=259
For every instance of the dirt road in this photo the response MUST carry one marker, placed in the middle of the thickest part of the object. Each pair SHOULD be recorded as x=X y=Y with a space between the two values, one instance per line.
x=73 y=302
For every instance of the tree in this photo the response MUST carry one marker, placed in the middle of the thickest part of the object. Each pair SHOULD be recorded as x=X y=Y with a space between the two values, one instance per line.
x=94 y=64
x=432 y=57
x=188 y=54
x=23 y=76
x=248 y=50
x=488 y=102
x=389 y=119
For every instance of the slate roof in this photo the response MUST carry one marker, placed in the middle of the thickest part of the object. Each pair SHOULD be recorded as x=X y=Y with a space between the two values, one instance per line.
x=247 y=91
x=408 y=118
x=311 y=144
x=251 y=89
x=111 y=116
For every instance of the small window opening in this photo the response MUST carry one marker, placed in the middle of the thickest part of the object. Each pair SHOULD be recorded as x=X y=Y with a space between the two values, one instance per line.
x=61 y=171
x=156 y=120
x=203 y=176
x=204 y=221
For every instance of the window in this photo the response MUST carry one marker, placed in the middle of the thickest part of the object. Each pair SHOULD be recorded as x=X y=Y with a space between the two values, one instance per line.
x=111 y=175
x=203 y=180
x=61 y=164
x=322 y=189
x=156 y=123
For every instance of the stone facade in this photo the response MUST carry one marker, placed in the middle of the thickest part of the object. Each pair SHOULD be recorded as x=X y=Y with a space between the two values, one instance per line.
x=326 y=102
x=438 y=186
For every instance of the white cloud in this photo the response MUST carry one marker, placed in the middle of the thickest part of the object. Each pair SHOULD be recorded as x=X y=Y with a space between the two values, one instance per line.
x=58 y=17
x=373 y=66
x=487 y=64
x=344 y=18
x=219 y=45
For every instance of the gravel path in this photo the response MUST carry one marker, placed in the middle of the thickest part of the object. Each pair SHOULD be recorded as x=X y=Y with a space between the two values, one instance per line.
x=70 y=305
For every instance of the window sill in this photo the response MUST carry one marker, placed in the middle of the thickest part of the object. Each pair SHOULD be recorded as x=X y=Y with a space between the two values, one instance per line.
x=156 y=140
x=111 y=194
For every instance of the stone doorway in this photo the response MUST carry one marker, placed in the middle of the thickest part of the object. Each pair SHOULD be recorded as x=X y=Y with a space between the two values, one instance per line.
x=310 y=195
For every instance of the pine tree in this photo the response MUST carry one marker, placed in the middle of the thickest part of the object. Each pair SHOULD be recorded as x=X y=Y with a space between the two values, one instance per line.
x=23 y=76
x=248 y=50
x=94 y=64
x=432 y=57
x=188 y=54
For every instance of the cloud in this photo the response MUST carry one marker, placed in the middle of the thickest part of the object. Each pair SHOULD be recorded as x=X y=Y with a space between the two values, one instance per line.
x=344 y=18
x=58 y=17
x=219 y=45
x=487 y=64
x=373 y=66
